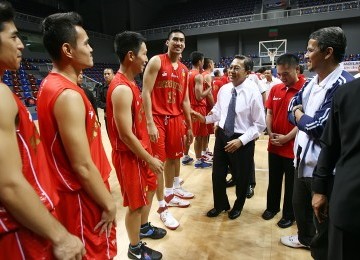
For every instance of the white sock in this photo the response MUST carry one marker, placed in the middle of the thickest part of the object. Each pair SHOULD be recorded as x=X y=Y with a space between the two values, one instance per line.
x=198 y=160
x=176 y=182
x=162 y=203
x=186 y=156
x=203 y=152
x=169 y=191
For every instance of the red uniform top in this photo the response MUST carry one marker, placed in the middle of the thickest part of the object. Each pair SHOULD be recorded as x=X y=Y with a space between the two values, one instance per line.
x=138 y=115
x=51 y=87
x=225 y=79
x=278 y=101
x=34 y=167
x=192 y=96
x=205 y=86
x=217 y=84
x=170 y=88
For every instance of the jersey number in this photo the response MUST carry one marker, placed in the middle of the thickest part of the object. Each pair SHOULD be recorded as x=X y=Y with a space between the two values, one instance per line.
x=171 y=97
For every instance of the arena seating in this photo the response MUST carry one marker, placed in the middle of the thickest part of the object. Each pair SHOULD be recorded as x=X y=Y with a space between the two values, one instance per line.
x=23 y=84
x=203 y=10
x=97 y=72
x=313 y=7
x=306 y=3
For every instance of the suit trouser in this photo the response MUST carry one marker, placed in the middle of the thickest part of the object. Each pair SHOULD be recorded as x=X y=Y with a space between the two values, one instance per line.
x=278 y=166
x=240 y=163
x=252 y=181
x=343 y=245
x=303 y=210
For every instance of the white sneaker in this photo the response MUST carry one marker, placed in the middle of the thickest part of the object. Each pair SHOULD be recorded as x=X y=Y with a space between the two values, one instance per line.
x=292 y=241
x=169 y=221
x=182 y=193
x=181 y=181
x=175 y=201
x=207 y=158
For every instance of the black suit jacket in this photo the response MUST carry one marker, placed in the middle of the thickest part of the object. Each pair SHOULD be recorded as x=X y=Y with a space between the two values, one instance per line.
x=341 y=150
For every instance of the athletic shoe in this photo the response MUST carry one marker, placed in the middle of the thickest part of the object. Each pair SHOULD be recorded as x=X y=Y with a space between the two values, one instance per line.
x=181 y=182
x=209 y=153
x=182 y=193
x=169 y=221
x=292 y=241
x=175 y=201
x=206 y=158
x=186 y=160
x=142 y=252
x=151 y=231
x=202 y=164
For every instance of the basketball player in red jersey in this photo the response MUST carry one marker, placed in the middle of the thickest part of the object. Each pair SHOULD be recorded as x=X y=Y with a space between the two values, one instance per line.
x=225 y=76
x=208 y=67
x=217 y=84
x=198 y=92
x=28 y=229
x=166 y=100
x=72 y=137
x=135 y=167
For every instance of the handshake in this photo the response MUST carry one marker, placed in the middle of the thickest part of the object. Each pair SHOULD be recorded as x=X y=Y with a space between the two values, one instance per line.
x=196 y=116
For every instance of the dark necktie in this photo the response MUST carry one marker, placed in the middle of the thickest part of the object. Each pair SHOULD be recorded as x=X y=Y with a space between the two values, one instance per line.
x=230 y=117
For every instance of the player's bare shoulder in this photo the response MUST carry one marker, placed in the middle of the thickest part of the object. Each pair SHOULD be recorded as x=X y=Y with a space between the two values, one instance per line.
x=154 y=64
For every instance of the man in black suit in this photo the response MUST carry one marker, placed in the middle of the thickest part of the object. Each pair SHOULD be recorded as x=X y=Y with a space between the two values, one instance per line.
x=101 y=91
x=240 y=112
x=340 y=151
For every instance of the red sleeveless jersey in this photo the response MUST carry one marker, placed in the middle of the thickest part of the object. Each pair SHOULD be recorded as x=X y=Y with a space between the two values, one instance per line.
x=217 y=84
x=138 y=115
x=51 y=87
x=205 y=86
x=170 y=88
x=193 y=101
x=34 y=167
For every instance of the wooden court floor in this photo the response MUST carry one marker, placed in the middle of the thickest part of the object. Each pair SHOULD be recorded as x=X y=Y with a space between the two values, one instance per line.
x=248 y=237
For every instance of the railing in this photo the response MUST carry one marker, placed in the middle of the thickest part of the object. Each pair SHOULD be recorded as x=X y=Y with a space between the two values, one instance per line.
x=37 y=20
x=257 y=17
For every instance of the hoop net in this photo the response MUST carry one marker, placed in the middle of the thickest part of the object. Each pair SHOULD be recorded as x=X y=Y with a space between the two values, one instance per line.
x=272 y=55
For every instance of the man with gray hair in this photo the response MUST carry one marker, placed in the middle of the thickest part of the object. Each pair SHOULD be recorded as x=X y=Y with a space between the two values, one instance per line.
x=309 y=110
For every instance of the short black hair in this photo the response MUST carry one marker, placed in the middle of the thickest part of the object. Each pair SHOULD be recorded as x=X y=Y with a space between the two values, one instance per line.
x=216 y=73
x=288 y=59
x=196 y=56
x=58 y=29
x=331 y=37
x=175 y=31
x=127 y=41
x=248 y=63
x=207 y=62
x=7 y=13
x=261 y=70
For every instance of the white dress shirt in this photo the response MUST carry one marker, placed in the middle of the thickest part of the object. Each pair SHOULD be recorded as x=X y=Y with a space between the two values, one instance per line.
x=269 y=84
x=250 y=117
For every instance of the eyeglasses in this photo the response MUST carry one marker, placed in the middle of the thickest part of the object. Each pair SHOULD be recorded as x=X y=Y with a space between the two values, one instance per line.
x=236 y=68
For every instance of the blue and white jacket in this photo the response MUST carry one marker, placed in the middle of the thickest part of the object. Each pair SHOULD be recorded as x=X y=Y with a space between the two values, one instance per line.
x=306 y=154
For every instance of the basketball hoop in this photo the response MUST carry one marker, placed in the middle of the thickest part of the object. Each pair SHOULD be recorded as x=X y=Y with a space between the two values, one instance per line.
x=272 y=54
x=268 y=50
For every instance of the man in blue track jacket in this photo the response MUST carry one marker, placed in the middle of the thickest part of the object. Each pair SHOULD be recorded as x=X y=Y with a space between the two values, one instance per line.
x=309 y=110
